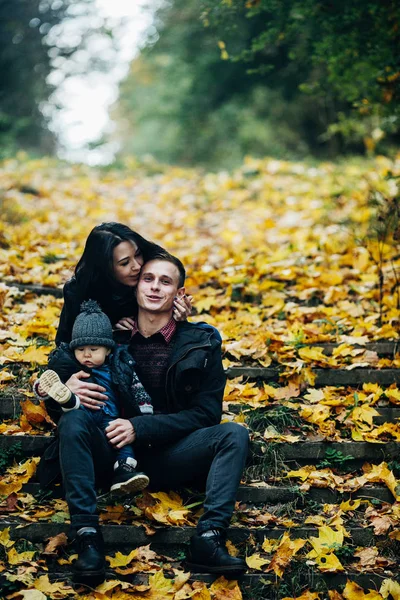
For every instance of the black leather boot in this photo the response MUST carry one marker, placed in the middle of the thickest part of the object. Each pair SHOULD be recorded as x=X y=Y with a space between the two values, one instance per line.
x=90 y=567
x=208 y=554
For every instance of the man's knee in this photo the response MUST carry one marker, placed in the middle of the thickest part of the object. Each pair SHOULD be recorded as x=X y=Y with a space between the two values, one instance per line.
x=73 y=424
x=236 y=434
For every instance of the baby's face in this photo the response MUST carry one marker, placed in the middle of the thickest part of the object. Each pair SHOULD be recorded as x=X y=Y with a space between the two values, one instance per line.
x=91 y=356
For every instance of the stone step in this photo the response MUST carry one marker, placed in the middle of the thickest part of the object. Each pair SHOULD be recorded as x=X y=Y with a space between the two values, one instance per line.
x=335 y=377
x=34 y=445
x=10 y=408
x=129 y=535
x=274 y=494
x=40 y=290
x=252 y=581
x=387 y=414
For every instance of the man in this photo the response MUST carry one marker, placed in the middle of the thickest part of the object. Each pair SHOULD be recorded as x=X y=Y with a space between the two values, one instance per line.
x=182 y=443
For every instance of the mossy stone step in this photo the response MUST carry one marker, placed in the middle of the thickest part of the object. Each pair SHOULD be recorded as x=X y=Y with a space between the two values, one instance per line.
x=387 y=414
x=274 y=494
x=34 y=445
x=252 y=581
x=10 y=408
x=335 y=377
x=35 y=288
x=130 y=535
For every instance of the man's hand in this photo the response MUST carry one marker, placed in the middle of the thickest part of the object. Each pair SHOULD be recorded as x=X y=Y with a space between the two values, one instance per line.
x=89 y=393
x=120 y=433
x=127 y=324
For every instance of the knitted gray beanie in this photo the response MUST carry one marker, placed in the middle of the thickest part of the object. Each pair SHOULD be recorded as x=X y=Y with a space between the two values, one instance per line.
x=92 y=327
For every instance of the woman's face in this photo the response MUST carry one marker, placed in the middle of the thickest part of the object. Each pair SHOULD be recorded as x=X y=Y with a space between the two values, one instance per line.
x=127 y=262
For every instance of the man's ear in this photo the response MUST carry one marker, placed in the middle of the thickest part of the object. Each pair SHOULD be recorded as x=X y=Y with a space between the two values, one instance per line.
x=180 y=292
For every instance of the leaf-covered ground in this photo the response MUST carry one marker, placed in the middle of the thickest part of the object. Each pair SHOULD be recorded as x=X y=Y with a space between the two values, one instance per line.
x=284 y=258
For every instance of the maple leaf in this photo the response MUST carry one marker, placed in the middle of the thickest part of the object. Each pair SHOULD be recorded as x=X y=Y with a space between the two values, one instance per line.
x=43 y=584
x=53 y=544
x=284 y=553
x=233 y=551
x=314 y=395
x=316 y=354
x=328 y=539
x=6 y=375
x=334 y=595
x=28 y=595
x=35 y=413
x=5 y=538
x=381 y=473
x=256 y=561
x=391 y=588
x=290 y=391
x=328 y=563
x=121 y=560
x=222 y=589
x=367 y=556
x=270 y=545
x=16 y=558
x=353 y=591
x=199 y=591
x=15 y=477
x=350 y=505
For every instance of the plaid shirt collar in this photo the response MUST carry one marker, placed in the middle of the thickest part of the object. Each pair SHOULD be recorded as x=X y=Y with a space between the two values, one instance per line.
x=167 y=331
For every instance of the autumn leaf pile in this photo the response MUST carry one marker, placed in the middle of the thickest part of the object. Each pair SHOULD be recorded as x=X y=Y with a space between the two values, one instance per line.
x=283 y=258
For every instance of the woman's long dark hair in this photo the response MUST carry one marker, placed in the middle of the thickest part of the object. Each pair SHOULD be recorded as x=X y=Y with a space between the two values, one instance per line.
x=94 y=271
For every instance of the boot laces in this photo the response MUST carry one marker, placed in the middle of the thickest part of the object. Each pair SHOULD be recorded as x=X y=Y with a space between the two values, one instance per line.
x=216 y=537
x=87 y=540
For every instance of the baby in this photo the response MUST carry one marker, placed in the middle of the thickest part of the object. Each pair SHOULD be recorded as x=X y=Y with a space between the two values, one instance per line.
x=93 y=348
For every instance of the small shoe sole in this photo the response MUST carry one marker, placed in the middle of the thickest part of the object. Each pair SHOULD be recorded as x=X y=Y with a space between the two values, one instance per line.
x=53 y=386
x=135 y=484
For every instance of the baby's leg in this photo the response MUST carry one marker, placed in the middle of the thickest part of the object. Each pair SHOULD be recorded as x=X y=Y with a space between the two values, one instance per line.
x=126 y=479
x=51 y=384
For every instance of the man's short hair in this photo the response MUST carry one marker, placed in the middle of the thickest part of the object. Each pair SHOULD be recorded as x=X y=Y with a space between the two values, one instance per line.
x=167 y=257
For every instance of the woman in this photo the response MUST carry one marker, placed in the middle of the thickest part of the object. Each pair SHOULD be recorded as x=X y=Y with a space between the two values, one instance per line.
x=108 y=272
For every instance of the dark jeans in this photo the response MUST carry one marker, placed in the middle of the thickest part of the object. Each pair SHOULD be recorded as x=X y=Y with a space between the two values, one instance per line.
x=102 y=420
x=214 y=456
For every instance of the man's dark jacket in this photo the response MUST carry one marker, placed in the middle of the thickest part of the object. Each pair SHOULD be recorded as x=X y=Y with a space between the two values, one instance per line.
x=195 y=383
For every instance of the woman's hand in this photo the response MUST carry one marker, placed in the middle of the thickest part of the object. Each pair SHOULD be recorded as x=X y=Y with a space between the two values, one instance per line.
x=120 y=433
x=127 y=324
x=90 y=394
x=182 y=307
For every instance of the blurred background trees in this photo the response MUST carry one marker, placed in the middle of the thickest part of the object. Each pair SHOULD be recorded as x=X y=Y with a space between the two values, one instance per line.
x=39 y=44
x=283 y=78
x=216 y=79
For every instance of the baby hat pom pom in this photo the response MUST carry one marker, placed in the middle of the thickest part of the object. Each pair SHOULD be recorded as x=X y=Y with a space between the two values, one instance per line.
x=90 y=306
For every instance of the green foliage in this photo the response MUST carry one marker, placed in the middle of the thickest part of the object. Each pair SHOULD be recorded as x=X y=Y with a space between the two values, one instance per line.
x=9 y=456
x=344 y=54
x=334 y=459
x=280 y=417
x=183 y=104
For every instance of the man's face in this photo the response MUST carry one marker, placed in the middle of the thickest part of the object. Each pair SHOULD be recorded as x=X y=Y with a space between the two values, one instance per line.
x=158 y=286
